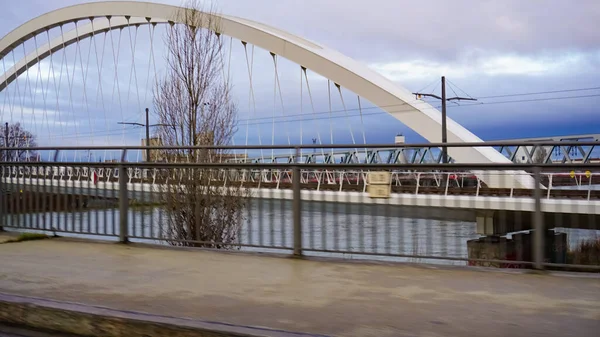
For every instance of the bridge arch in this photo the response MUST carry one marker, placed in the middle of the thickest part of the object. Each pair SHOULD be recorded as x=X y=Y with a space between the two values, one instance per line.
x=356 y=77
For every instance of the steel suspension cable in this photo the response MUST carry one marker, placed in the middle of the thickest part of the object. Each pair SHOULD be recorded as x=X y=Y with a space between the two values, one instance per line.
x=70 y=82
x=250 y=66
x=116 y=66
x=346 y=113
x=84 y=75
x=278 y=82
x=99 y=90
x=313 y=109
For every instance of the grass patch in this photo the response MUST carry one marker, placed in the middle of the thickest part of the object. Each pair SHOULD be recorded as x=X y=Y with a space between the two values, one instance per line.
x=28 y=237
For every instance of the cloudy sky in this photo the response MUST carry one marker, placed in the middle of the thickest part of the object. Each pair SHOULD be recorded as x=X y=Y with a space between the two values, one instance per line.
x=491 y=50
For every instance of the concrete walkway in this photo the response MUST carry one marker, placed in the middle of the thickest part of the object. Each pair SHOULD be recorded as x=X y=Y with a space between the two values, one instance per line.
x=320 y=297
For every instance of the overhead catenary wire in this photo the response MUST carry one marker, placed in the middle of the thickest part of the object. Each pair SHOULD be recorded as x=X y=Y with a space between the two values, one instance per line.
x=454 y=91
x=113 y=132
x=410 y=110
x=456 y=86
x=414 y=103
x=429 y=85
x=541 y=92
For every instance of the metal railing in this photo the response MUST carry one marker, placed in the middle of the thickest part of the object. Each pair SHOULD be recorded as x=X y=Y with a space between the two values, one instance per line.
x=455 y=182
x=207 y=204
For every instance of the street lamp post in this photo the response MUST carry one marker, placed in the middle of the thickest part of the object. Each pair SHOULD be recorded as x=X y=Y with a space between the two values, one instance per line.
x=147 y=135
x=147 y=125
x=444 y=126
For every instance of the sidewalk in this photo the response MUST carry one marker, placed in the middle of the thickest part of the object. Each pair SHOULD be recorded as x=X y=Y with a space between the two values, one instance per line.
x=319 y=297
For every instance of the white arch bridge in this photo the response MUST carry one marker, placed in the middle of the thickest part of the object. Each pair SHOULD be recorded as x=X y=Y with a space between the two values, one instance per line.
x=67 y=78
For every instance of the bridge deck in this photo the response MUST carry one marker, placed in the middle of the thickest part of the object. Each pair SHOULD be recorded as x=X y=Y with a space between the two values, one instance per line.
x=568 y=191
x=319 y=297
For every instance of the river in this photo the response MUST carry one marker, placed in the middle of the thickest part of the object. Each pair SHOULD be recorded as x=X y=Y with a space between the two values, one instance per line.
x=326 y=226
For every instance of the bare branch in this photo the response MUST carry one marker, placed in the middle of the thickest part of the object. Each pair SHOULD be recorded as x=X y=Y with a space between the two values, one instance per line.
x=194 y=98
x=19 y=139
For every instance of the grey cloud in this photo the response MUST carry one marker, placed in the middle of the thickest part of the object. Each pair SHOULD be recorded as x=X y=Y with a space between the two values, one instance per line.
x=398 y=29
x=449 y=32
x=391 y=30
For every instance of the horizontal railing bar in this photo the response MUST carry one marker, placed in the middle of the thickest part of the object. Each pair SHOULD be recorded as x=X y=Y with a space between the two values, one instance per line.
x=233 y=244
x=320 y=146
x=62 y=231
x=448 y=258
x=431 y=166
x=425 y=257
x=574 y=266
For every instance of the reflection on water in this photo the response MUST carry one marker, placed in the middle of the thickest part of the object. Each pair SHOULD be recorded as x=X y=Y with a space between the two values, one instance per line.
x=326 y=227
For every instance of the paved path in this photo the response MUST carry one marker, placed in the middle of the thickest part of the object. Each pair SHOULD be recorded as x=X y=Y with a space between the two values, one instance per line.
x=321 y=297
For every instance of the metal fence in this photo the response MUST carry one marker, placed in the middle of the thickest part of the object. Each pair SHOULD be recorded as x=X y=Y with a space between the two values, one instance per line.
x=455 y=213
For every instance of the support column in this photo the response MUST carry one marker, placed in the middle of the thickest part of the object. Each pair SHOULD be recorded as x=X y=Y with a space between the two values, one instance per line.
x=485 y=223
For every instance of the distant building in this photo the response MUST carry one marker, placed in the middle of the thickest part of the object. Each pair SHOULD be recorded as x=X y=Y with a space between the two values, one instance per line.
x=36 y=157
x=400 y=139
x=155 y=155
x=181 y=156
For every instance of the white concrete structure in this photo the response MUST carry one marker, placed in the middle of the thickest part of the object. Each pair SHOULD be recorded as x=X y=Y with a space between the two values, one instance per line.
x=479 y=203
x=358 y=78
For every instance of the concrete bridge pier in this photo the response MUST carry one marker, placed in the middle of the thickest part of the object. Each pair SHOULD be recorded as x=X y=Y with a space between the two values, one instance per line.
x=502 y=222
x=495 y=225
x=517 y=248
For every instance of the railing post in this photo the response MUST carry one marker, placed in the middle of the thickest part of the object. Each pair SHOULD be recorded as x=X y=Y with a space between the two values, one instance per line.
x=538 y=222
x=2 y=200
x=549 y=186
x=123 y=204
x=590 y=186
x=297 y=207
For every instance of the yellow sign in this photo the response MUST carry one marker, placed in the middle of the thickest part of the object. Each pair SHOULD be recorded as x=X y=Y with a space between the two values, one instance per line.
x=379 y=178
x=588 y=174
x=379 y=191
x=572 y=174
x=379 y=184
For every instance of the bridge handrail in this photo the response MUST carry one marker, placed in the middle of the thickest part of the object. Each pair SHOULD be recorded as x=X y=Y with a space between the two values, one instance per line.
x=312 y=146
x=280 y=174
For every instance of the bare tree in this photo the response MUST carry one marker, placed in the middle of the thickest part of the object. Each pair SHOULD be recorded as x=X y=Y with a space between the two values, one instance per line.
x=194 y=103
x=20 y=140
x=540 y=155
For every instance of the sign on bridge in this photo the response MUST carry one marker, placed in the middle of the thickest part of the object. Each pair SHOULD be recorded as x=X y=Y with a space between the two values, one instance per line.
x=379 y=184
